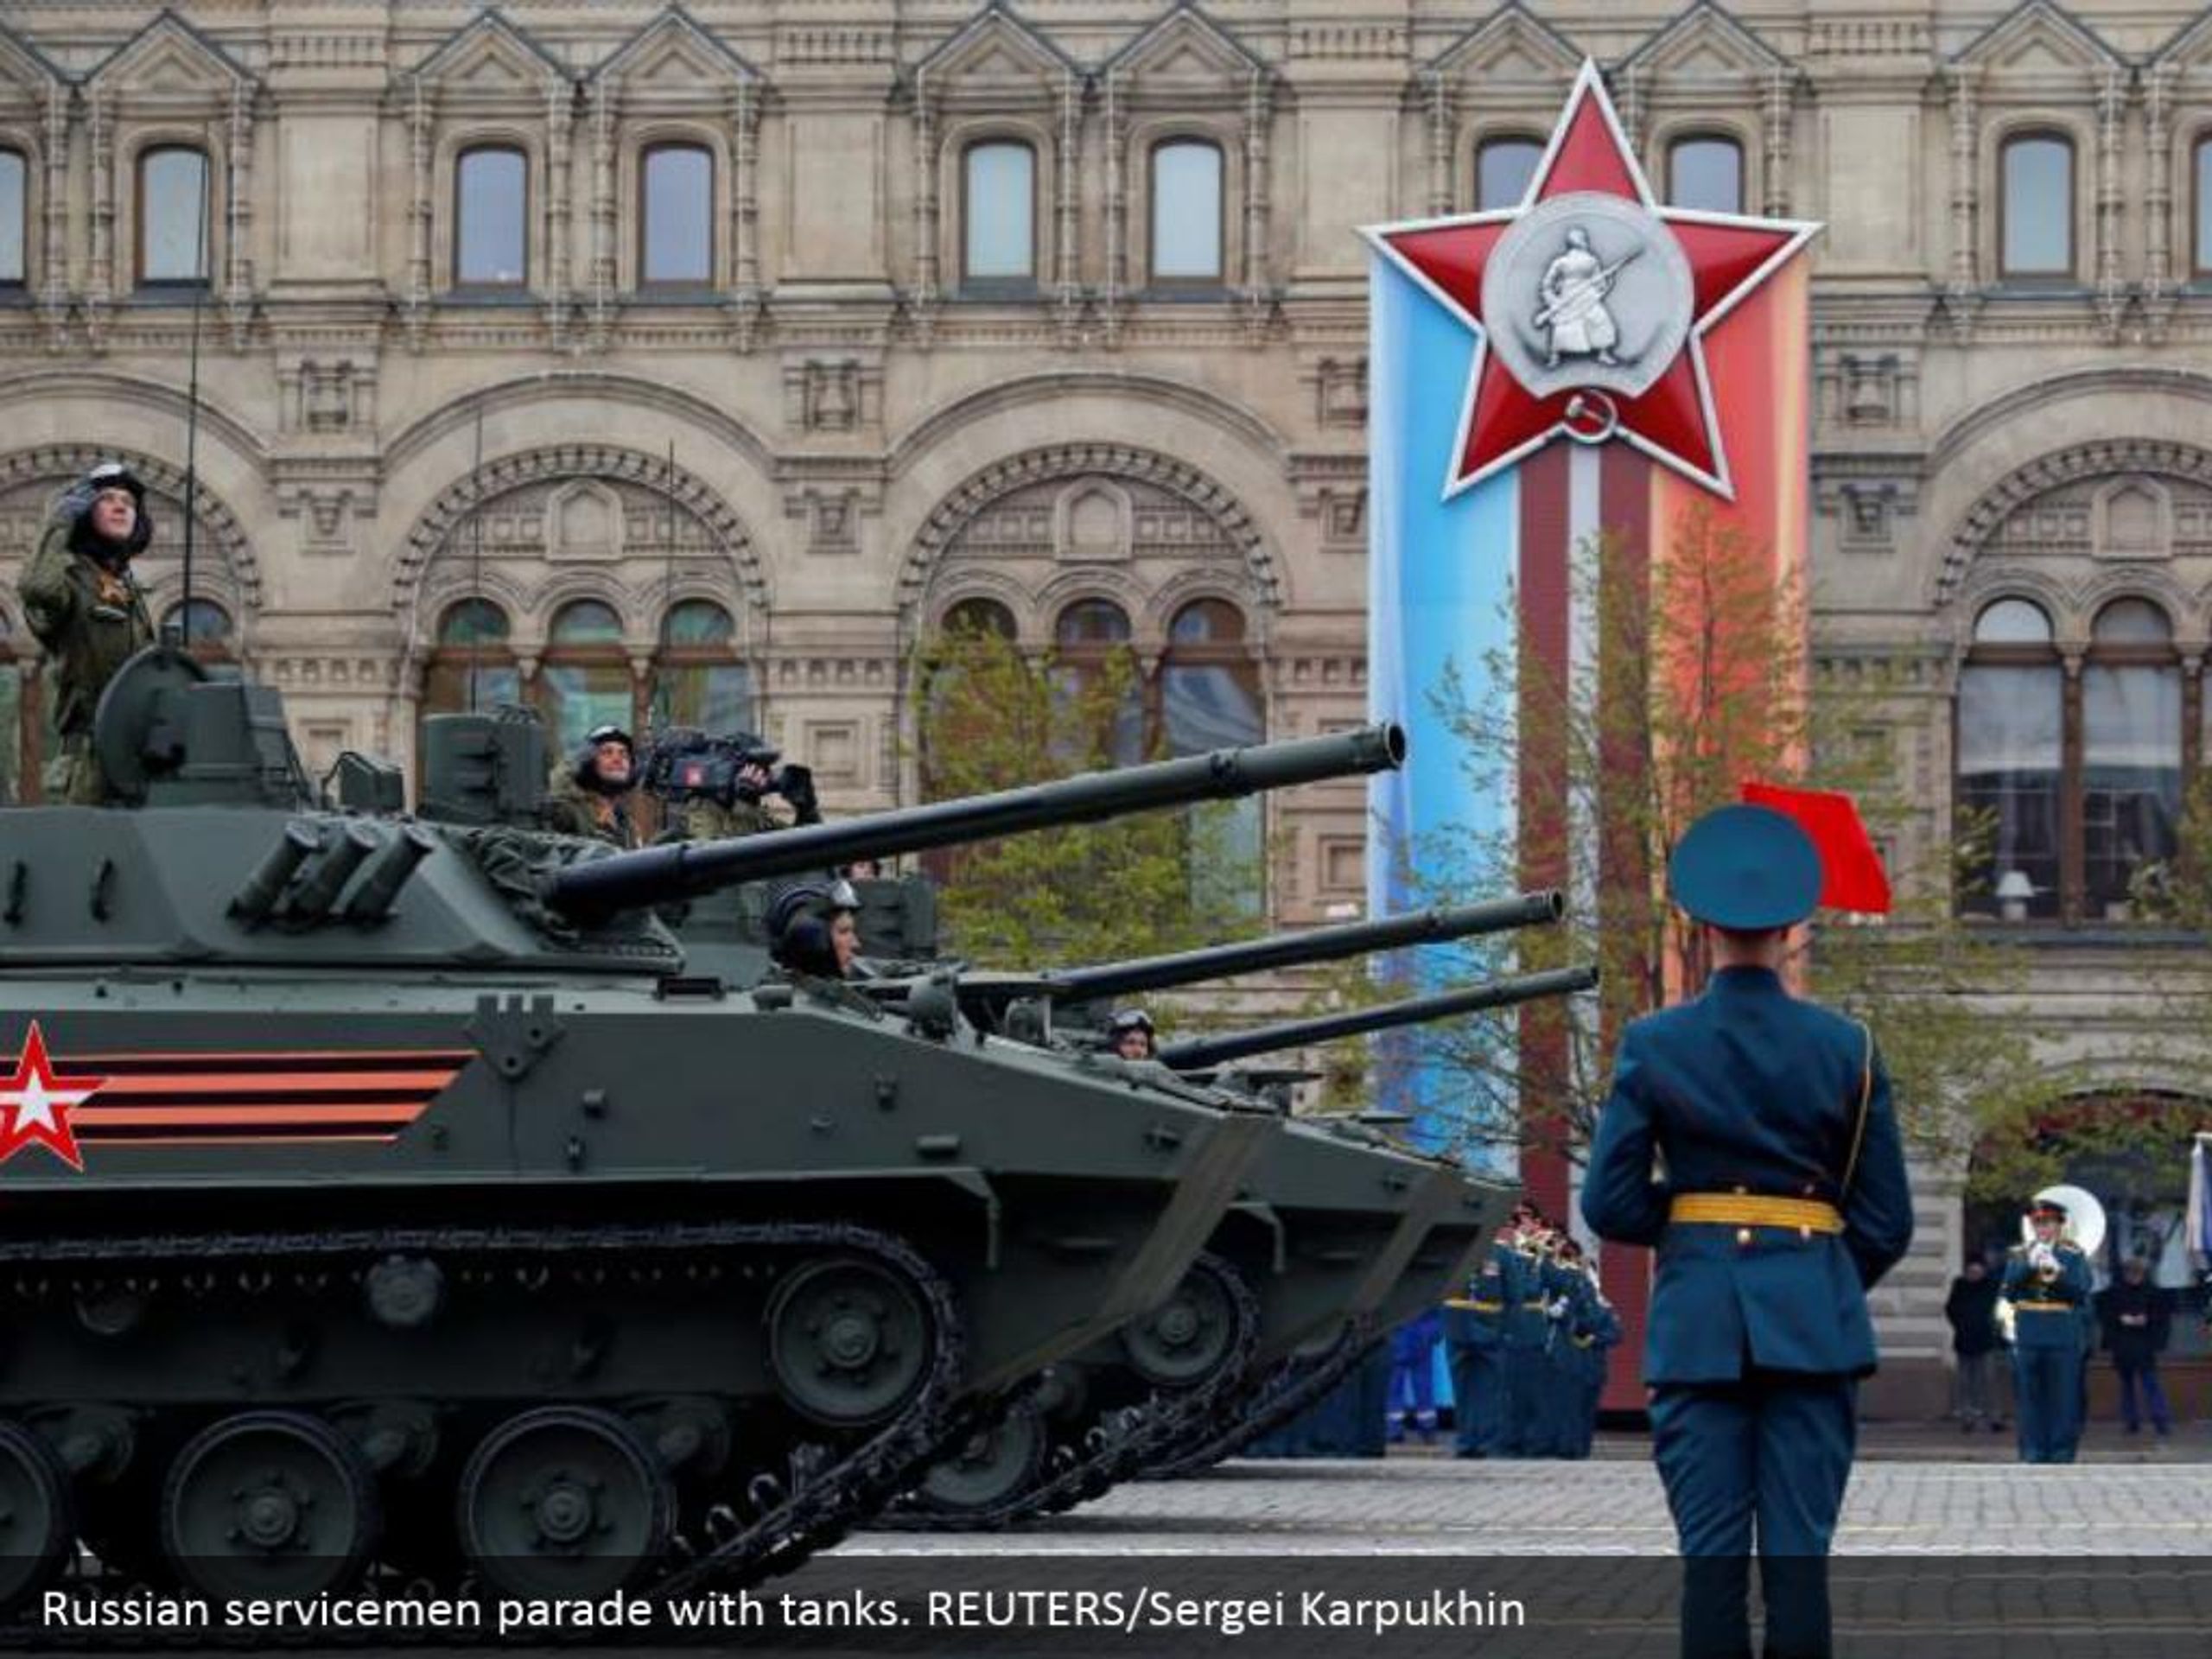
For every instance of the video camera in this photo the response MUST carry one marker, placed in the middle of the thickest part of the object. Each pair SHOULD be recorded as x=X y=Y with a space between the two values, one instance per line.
x=687 y=765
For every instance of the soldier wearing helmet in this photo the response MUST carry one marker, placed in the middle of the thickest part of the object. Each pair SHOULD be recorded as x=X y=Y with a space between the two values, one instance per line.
x=89 y=613
x=1133 y=1037
x=814 y=932
x=592 y=796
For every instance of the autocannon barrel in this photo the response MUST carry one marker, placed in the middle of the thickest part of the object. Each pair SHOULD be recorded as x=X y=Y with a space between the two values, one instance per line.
x=1311 y=945
x=1204 y=1053
x=685 y=869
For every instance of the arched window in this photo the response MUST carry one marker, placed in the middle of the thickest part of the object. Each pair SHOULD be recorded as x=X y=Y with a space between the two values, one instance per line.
x=491 y=218
x=1187 y=226
x=702 y=681
x=585 y=680
x=2011 y=763
x=1209 y=699
x=1091 y=639
x=2130 y=752
x=2071 y=788
x=1505 y=168
x=15 y=216
x=2036 y=206
x=999 y=212
x=676 y=232
x=208 y=633
x=472 y=666
x=173 y=215
x=2201 y=194
x=1705 y=172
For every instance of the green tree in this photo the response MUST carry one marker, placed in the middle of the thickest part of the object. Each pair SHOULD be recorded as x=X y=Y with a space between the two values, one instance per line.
x=1697 y=680
x=992 y=718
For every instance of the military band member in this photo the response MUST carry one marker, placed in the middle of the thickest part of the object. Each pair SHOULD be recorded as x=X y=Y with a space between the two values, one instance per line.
x=2048 y=1282
x=1522 y=1335
x=1473 y=1333
x=1749 y=1137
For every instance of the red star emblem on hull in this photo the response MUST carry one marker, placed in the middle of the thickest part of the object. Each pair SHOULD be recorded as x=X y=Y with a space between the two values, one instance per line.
x=1573 y=383
x=35 y=1104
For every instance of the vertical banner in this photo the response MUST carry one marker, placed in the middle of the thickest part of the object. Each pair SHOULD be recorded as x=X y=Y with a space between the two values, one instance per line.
x=1581 y=396
x=1440 y=584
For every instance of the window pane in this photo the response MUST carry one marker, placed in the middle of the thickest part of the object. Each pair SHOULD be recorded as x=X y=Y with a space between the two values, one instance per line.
x=679 y=215
x=1186 y=211
x=489 y=240
x=2204 y=207
x=1092 y=622
x=211 y=623
x=2013 y=622
x=1705 y=174
x=700 y=622
x=1001 y=202
x=1206 y=706
x=2131 y=776
x=2038 y=207
x=715 y=697
x=578 y=697
x=472 y=622
x=587 y=622
x=1206 y=621
x=2132 y=622
x=14 y=225
x=1504 y=168
x=172 y=211
x=2009 y=762
x=445 y=692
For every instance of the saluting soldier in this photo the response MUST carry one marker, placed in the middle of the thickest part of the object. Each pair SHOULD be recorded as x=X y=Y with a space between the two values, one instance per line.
x=2048 y=1282
x=1749 y=1137
x=89 y=613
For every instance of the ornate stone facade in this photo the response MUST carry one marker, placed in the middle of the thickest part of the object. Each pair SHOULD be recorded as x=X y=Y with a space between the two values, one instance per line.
x=837 y=434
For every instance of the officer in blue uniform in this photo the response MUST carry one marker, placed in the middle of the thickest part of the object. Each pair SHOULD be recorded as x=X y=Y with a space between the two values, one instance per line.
x=1749 y=1137
x=2048 y=1283
x=1473 y=1330
x=1521 y=1342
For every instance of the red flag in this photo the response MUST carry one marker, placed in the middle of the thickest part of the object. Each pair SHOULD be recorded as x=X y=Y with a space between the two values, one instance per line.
x=1852 y=876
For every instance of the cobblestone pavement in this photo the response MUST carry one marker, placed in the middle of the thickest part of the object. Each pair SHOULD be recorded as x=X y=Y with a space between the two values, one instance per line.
x=1416 y=1504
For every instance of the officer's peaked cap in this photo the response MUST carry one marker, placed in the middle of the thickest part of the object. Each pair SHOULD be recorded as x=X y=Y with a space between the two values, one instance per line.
x=2047 y=1209
x=1747 y=868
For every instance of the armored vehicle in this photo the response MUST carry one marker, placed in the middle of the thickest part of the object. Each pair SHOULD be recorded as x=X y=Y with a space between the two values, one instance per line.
x=401 y=1198
x=1334 y=1230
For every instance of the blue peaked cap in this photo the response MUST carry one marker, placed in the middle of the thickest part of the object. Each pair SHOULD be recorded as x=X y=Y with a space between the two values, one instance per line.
x=1745 y=867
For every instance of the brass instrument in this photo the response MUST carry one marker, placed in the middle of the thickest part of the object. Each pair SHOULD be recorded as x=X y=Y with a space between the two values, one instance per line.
x=2084 y=1230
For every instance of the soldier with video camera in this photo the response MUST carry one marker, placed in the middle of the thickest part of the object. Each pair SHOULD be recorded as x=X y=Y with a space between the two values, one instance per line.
x=717 y=787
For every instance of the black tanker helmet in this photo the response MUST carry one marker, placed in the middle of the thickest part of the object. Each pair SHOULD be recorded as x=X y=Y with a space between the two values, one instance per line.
x=587 y=759
x=77 y=509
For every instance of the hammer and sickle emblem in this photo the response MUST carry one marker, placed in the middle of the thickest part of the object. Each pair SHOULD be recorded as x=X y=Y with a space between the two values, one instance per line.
x=1590 y=416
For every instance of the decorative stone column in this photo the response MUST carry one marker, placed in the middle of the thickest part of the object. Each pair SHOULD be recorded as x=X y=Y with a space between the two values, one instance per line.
x=1963 y=291
x=744 y=213
x=2112 y=289
x=53 y=296
x=1068 y=252
x=605 y=101
x=100 y=286
x=2158 y=201
x=416 y=307
x=1780 y=107
x=1259 y=113
x=238 y=284
x=1117 y=213
x=926 y=278
x=560 y=123
x=1439 y=101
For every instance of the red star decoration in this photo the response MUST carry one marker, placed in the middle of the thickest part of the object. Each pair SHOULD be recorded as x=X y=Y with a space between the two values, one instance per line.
x=1672 y=421
x=36 y=1104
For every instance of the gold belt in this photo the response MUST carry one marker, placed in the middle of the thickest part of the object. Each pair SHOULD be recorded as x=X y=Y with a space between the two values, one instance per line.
x=1755 y=1209
x=2044 y=1307
x=1479 y=1307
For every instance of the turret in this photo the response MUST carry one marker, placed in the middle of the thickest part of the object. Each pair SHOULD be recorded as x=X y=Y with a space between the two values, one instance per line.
x=686 y=869
x=1205 y=1054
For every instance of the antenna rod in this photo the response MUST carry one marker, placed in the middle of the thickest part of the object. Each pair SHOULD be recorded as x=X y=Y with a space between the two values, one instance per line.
x=191 y=402
x=659 y=713
x=476 y=563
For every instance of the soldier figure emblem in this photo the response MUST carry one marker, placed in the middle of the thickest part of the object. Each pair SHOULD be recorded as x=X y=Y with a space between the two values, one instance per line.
x=1574 y=315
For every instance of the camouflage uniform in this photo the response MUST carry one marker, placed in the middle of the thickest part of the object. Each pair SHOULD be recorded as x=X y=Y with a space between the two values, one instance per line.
x=705 y=820
x=91 y=619
x=572 y=810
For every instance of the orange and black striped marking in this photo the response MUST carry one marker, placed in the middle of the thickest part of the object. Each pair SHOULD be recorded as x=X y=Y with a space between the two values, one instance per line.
x=287 y=1095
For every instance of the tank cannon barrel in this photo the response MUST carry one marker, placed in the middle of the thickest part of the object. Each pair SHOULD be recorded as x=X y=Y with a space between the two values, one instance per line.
x=1204 y=1053
x=686 y=869
x=1312 y=944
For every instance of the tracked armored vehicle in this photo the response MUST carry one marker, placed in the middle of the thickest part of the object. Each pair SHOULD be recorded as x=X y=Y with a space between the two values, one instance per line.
x=1336 y=1230
x=405 y=1200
